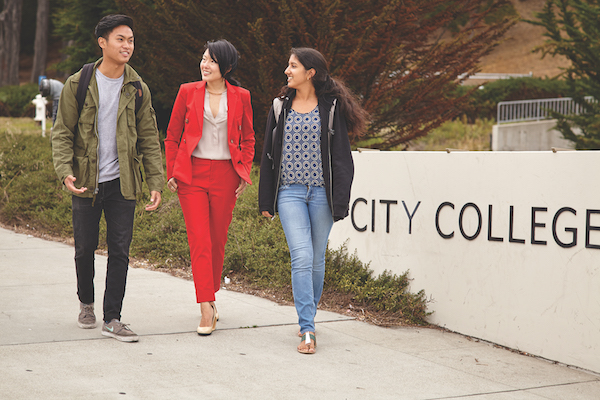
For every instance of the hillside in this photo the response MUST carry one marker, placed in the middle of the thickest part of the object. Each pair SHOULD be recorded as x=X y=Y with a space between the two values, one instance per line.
x=514 y=55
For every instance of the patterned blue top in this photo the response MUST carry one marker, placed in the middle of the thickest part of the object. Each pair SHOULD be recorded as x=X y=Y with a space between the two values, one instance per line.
x=301 y=158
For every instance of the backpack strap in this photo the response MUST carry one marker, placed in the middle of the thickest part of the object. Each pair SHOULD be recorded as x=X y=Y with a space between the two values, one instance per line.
x=331 y=114
x=139 y=95
x=84 y=82
x=82 y=86
x=277 y=105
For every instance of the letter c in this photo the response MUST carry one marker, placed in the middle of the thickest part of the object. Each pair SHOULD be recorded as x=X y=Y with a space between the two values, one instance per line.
x=358 y=200
x=437 y=220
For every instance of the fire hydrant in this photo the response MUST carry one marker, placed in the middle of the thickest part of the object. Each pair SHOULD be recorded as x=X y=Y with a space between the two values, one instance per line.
x=40 y=111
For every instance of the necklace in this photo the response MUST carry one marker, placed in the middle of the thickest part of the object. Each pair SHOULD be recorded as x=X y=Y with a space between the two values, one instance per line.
x=216 y=94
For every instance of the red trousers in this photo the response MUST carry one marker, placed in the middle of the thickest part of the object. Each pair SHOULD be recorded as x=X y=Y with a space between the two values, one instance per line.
x=207 y=206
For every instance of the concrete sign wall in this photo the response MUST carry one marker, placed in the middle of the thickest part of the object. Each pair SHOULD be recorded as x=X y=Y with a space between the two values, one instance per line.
x=507 y=244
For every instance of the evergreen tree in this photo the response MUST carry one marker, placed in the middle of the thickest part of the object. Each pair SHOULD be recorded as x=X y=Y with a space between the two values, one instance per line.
x=573 y=31
x=169 y=35
x=401 y=58
x=74 y=22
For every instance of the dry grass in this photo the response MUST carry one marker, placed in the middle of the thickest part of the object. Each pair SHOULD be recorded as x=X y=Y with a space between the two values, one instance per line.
x=515 y=54
x=456 y=135
x=25 y=126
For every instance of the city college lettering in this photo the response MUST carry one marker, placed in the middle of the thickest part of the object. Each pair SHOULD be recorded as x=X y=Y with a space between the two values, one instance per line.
x=363 y=217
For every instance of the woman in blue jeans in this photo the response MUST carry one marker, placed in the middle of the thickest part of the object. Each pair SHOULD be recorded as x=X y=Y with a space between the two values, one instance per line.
x=306 y=172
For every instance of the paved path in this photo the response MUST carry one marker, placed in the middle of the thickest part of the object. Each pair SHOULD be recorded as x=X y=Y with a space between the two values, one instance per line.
x=44 y=355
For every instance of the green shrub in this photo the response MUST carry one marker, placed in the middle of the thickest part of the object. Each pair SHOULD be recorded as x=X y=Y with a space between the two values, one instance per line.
x=4 y=111
x=387 y=292
x=256 y=250
x=483 y=102
x=160 y=235
x=31 y=194
x=17 y=99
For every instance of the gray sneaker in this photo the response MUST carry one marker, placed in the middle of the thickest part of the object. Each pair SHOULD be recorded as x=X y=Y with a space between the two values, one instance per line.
x=118 y=330
x=87 y=319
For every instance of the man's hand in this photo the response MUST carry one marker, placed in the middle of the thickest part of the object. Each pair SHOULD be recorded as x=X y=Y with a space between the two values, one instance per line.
x=155 y=198
x=71 y=186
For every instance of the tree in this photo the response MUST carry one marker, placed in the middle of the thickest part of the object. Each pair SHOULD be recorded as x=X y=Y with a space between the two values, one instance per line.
x=74 y=24
x=572 y=30
x=399 y=57
x=41 y=40
x=168 y=38
x=10 y=39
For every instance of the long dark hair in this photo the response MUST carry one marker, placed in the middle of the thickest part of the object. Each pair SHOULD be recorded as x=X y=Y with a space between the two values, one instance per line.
x=225 y=54
x=324 y=84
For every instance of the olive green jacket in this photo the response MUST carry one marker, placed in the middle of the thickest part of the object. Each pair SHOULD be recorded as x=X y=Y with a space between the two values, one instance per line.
x=75 y=138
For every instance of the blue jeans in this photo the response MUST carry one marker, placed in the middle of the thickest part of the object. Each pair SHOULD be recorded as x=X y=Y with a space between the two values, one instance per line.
x=306 y=219
x=118 y=213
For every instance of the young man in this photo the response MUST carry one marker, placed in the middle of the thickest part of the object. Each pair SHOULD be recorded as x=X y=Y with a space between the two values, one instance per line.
x=97 y=155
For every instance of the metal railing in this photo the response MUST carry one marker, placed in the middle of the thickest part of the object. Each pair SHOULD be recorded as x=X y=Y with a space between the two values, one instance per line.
x=487 y=76
x=535 y=110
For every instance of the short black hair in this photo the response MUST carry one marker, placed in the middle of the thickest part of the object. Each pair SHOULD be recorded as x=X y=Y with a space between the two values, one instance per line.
x=110 y=22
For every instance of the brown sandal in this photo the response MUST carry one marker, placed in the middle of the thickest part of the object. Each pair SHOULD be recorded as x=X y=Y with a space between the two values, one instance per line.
x=308 y=343
x=300 y=334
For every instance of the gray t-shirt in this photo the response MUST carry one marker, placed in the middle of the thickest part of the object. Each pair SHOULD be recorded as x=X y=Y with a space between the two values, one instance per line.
x=109 y=91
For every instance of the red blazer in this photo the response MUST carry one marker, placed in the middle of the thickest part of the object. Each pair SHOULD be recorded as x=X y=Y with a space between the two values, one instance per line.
x=185 y=130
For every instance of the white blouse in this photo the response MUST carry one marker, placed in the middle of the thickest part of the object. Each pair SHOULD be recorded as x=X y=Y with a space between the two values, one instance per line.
x=213 y=143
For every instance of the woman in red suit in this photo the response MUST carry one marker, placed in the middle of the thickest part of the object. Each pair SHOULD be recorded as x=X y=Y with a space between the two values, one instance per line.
x=209 y=150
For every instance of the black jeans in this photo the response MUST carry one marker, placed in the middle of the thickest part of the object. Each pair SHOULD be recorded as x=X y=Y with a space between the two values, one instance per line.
x=118 y=213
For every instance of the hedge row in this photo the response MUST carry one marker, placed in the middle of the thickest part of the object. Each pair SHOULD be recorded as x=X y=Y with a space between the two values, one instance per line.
x=15 y=101
x=483 y=102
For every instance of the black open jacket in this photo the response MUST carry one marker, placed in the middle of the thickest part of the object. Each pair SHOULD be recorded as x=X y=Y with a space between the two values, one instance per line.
x=338 y=167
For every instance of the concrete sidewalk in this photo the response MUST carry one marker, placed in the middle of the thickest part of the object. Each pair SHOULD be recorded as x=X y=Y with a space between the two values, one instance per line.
x=44 y=355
